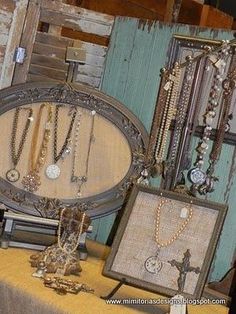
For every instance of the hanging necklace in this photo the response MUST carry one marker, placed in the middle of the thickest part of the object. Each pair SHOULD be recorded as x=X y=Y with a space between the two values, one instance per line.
x=181 y=114
x=31 y=181
x=80 y=180
x=13 y=174
x=169 y=111
x=68 y=241
x=153 y=264
x=196 y=175
x=228 y=88
x=70 y=245
x=53 y=171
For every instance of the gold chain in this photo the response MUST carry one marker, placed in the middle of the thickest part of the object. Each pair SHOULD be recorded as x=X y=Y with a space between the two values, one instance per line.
x=77 y=237
x=179 y=231
x=31 y=181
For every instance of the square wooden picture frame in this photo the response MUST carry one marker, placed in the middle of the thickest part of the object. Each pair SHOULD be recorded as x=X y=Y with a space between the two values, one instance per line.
x=134 y=248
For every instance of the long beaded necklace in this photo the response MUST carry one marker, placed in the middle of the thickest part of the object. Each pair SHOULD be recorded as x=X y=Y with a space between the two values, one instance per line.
x=196 y=175
x=153 y=264
x=228 y=88
x=31 y=181
x=70 y=244
x=13 y=174
x=82 y=179
x=53 y=171
x=181 y=114
x=171 y=86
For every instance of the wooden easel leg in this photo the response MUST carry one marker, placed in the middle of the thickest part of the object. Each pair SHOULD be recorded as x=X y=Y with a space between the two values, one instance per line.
x=110 y=295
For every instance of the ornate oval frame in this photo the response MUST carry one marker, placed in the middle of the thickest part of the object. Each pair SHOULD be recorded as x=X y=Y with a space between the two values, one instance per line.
x=95 y=206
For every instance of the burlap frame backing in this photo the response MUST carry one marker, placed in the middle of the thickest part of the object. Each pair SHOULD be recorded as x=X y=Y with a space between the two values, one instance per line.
x=110 y=156
x=135 y=241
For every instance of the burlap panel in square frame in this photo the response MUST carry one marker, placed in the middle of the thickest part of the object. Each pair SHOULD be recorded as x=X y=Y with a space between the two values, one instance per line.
x=136 y=242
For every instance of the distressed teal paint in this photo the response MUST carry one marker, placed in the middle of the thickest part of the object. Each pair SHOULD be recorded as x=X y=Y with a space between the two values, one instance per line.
x=136 y=55
x=102 y=228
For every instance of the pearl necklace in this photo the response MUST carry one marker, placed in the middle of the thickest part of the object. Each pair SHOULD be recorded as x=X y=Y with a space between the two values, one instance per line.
x=153 y=264
x=74 y=237
x=172 y=87
x=180 y=230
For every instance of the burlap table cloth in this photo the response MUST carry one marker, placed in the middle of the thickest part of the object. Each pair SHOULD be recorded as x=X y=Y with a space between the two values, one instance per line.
x=22 y=293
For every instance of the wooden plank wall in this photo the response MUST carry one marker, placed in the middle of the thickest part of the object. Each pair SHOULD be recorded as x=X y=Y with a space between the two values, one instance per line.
x=137 y=52
x=6 y=14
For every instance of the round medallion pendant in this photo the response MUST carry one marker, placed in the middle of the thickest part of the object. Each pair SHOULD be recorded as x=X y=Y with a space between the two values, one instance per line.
x=153 y=264
x=197 y=176
x=53 y=171
x=31 y=181
x=13 y=175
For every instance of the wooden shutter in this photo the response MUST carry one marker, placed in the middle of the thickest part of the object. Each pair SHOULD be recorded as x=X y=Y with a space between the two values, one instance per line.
x=47 y=50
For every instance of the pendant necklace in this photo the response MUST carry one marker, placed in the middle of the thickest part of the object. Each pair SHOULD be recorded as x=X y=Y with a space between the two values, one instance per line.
x=82 y=179
x=13 y=174
x=31 y=181
x=53 y=171
x=228 y=89
x=153 y=264
x=197 y=175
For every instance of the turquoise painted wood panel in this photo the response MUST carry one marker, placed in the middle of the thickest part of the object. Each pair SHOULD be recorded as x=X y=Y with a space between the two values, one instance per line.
x=102 y=228
x=137 y=52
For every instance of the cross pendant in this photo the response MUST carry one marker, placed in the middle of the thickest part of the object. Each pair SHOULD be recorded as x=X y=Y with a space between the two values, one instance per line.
x=183 y=269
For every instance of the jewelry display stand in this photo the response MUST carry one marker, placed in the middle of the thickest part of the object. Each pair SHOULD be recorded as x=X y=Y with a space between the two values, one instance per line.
x=113 y=291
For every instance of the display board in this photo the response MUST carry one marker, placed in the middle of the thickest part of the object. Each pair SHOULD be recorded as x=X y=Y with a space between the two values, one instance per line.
x=165 y=242
x=92 y=152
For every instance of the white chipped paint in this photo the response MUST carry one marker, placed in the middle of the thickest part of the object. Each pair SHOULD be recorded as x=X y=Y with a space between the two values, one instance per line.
x=90 y=70
x=81 y=12
x=89 y=26
x=88 y=80
x=90 y=48
x=94 y=60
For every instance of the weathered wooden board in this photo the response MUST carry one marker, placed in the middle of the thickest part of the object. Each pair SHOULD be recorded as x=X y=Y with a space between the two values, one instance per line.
x=90 y=48
x=27 y=40
x=13 y=42
x=45 y=71
x=137 y=53
x=90 y=70
x=88 y=80
x=146 y=9
x=74 y=22
x=76 y=18
x=55 y=63
x=49 y=39
x=50 y=51
x=6 y=15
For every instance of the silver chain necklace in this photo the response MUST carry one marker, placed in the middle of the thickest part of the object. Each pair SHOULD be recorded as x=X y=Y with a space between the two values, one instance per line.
x=82 y=179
